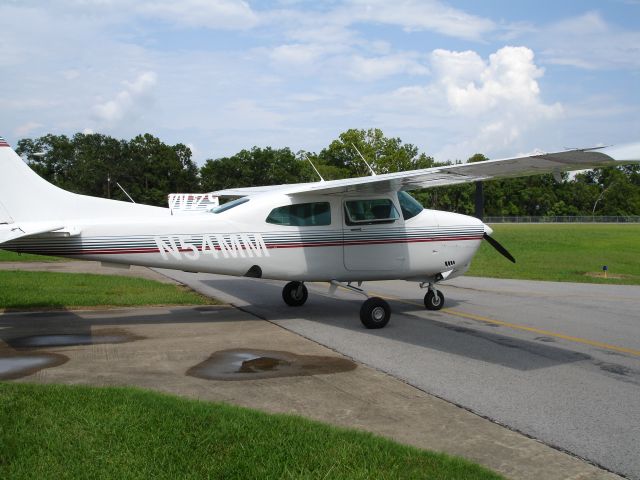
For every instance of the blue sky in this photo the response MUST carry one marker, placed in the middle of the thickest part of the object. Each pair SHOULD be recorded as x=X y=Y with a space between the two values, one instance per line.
x=454 y=78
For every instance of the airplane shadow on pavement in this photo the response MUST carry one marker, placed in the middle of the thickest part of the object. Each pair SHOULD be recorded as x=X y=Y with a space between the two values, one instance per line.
x=31 y=341
x=409 y=324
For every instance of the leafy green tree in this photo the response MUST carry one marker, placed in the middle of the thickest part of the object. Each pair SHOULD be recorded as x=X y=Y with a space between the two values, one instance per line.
x=92 y=164
x=256 y=167
x=385 y=154
x=150 y=169
x=618 y=191
x=51 y=156
x=156 y=169
x=96 y=157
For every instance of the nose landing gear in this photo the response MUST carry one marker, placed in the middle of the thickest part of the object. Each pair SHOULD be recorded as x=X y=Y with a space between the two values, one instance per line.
x=434 y=298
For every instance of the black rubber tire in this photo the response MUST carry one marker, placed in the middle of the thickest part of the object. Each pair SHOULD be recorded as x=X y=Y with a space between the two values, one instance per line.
x=375 y=313
x=291 y=296
x=432 y=302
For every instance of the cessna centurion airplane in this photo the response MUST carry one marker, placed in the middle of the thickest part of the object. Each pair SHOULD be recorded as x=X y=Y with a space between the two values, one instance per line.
x=340 y=231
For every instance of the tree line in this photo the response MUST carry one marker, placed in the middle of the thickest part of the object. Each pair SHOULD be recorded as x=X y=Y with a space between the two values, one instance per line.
x=148 y=169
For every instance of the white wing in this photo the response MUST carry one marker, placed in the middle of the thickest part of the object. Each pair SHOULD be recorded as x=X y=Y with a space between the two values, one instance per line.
x=461 y=173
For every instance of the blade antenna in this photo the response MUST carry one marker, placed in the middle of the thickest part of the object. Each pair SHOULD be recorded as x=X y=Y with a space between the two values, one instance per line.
x=373 y=174
x=125 y=192
x=314 y=167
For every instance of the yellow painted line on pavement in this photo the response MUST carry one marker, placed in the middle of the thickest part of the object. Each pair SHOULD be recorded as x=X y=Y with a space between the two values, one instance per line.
x=515 y=326
x=570 y=338
x=480 y=318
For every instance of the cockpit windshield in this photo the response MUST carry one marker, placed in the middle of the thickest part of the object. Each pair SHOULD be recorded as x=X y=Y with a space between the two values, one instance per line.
x=410 y=206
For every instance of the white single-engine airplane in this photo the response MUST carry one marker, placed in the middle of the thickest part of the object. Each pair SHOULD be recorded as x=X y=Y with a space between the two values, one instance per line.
x=340 y=231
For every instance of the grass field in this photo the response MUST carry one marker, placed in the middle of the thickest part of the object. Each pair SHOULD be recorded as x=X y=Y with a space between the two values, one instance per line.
x=7 y=256
x=28 y=290
x=58 y=431
x=563 y=252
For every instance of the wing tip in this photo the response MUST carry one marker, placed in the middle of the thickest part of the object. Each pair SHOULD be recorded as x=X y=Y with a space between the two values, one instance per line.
x=623 y=153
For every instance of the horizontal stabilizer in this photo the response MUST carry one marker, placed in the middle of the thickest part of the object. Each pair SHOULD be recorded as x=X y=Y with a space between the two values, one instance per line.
x=13 y=231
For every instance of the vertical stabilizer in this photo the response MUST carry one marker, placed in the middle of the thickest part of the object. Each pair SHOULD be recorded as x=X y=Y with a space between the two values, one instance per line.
x=4 y=215
x=25 y=196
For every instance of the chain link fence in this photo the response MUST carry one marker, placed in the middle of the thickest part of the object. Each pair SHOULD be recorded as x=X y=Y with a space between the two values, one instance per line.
x=565 y=219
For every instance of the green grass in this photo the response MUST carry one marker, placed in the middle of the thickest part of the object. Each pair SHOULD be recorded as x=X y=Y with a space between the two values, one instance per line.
x=563 y=253
x=58 y=431
x=28 y=290
x=7 y=256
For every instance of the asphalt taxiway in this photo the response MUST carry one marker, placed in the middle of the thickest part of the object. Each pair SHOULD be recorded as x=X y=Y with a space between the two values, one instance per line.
x=559 y=362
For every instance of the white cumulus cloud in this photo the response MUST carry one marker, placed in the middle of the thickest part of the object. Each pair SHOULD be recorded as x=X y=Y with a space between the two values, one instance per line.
x=507 y=81
x=374 y=68
x=501 y=95
x=216 y=14
x=431 y=15
x=589 y=42
x=472 y=104
x=128 y=101
x=26 y=128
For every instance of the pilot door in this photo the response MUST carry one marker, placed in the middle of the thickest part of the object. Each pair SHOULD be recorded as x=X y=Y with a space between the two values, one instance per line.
x=374 y=237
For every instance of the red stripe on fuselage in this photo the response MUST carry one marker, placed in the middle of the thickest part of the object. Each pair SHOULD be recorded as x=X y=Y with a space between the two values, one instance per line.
x=270 y=246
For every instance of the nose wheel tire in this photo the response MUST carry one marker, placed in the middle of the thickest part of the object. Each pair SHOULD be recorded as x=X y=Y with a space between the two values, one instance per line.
x=375 y=313
x=434 y=301
x=295 y=294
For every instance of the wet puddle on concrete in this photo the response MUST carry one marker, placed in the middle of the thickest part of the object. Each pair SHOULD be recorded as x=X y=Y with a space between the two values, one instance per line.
x=72 y=339
x=249 y=364
x=23 y=355
x=20 y=364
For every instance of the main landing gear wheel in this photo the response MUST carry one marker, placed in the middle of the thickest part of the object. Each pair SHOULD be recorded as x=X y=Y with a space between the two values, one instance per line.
x=434 y=301
x=295 y=294
x=375 y=313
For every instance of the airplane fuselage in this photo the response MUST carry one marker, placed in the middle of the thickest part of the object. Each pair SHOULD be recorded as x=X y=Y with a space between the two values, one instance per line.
x=245 y=241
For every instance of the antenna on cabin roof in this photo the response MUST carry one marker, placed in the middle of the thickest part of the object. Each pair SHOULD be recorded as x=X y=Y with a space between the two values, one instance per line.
x=125 y=192
x=373 y=174
x=314 y=167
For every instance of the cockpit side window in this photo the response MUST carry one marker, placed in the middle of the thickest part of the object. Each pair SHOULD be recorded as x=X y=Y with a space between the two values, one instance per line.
x=410 y=206
x=301 y=215
x=370 y=211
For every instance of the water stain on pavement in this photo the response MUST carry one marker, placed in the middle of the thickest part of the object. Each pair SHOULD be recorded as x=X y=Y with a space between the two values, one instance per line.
x=249 y=364
x=72 y=339
x=21 y=364
x=614 y=368
x=546 y=339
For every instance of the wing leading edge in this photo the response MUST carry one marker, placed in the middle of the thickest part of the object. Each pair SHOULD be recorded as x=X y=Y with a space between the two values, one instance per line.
x=462 y=173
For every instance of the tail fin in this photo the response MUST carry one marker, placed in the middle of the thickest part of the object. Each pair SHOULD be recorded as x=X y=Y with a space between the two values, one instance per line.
x=27 y=197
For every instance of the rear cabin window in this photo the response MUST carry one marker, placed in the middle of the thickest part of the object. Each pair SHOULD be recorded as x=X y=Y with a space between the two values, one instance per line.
x=229 y=205
x=301 y=215
x=367 y=212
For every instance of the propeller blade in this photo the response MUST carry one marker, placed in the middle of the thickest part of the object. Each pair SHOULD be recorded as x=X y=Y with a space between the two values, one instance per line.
x=494 y=243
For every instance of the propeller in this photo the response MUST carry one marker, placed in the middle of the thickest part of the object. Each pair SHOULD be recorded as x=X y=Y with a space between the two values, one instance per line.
x=495 y=244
